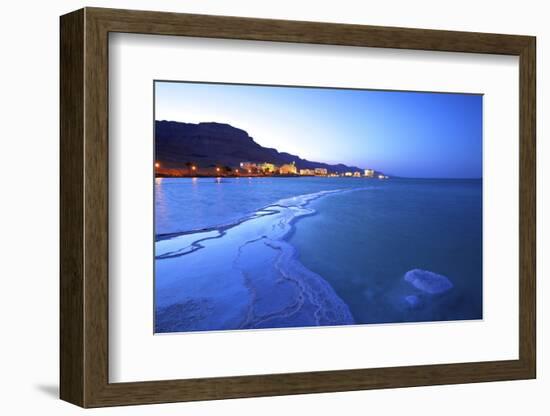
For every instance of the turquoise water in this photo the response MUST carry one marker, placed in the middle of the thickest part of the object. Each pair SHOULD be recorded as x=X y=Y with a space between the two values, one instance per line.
x=292 y=252
x=366 y=241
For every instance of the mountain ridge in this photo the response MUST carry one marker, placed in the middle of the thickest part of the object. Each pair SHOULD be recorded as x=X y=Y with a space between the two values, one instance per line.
x=212 y=144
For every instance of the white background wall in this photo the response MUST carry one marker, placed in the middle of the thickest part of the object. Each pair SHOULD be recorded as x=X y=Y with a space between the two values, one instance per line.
x=29 y=209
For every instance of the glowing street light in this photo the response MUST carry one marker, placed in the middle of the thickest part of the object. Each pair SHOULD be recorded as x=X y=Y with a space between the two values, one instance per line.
x=217 y=169
x=157 y=165
x=193 y=168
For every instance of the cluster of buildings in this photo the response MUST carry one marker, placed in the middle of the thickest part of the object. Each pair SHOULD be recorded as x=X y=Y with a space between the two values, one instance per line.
x=286 y=169
x=291 y=169
x=314 y=172
x=367 y=173
x=269 y=168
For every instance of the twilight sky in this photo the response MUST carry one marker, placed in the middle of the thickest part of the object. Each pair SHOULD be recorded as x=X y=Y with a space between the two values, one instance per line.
x=428 y=135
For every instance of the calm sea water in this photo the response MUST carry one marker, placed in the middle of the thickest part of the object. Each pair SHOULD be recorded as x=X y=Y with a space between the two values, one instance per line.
x=282 y=252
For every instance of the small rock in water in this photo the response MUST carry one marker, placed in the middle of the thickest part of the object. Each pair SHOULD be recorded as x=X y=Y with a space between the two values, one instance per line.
x=427 y=281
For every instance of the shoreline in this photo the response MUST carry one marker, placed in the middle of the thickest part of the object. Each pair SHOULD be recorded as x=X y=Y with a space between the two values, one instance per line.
x=302 y=297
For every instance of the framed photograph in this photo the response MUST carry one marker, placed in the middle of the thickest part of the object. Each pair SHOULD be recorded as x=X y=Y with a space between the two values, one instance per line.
x=256 y=207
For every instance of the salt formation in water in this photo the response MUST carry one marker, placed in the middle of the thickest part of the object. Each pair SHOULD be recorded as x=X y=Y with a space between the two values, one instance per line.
x=427 y=281
x=243 y=275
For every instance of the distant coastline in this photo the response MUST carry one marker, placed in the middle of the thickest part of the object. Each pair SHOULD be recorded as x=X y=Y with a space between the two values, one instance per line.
x=218 y=172
x=167 y=173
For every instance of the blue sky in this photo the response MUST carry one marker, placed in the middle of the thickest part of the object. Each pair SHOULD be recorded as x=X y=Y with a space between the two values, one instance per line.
x=412 y=134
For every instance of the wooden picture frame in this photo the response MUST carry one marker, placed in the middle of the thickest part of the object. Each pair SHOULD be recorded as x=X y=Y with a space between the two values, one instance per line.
x=84 y=207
